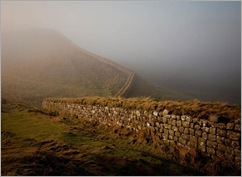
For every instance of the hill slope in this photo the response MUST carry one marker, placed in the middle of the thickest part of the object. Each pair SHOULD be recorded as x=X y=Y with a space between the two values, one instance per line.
x=43 y=63
x=40 y=63
x=144 y=88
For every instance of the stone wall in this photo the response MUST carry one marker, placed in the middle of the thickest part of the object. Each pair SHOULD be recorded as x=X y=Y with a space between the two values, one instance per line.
x=213 y=138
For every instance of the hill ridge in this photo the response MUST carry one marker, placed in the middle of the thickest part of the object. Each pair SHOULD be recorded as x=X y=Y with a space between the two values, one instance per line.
x=129 y=72
x=126 y=70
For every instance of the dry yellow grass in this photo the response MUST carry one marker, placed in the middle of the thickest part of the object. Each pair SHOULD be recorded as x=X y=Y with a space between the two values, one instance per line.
x=193 y=108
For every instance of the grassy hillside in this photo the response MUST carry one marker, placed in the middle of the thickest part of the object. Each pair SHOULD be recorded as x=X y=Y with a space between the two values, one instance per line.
x=143 y=88
x=40 y=63
x=43 y=63
x=34 y=143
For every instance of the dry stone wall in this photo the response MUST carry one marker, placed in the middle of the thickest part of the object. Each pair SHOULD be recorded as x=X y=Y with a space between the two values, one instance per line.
x=213 y=138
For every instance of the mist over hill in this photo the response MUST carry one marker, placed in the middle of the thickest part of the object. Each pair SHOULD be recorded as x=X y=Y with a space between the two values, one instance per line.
x=190 y=47
x=39 y=63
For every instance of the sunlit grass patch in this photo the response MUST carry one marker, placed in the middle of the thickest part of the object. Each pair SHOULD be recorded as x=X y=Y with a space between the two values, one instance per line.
x=27 y=125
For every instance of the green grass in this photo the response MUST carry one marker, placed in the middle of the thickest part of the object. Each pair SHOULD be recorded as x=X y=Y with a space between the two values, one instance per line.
x=31 y=126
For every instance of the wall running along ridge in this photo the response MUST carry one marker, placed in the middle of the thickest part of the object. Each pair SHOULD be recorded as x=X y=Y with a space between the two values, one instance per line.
x=212 y=138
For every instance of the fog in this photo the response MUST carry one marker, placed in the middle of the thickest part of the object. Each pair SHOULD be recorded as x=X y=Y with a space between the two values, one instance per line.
x=191 y=47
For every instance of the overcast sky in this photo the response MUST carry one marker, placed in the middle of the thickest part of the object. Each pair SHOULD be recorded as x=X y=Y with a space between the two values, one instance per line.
x=173 y=43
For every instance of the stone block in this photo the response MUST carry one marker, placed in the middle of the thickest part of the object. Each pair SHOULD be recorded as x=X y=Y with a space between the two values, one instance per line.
x=237 y=127
x=159 y=119
x=172 y=143
x=220 y=140
x=229 y=151
x=165 y=125
x=186 y=124
x=212 y=130
x=233 y=135
x=183 y=118
x=193 y=139
x=165 y=137
x=157 y=124
x=169 y=121
x=227 y=142
x=191 y=125
x=201 y=142
x=186 y=137
x=211 y=137
x=230 y=126
x=197 y=127
x=213 y=118
x=220 y=153
x=202 y=148
x=182 y=141
x=235 y=144
x=178 y=123
x=171 y=132
x=174 y=122
x=222 y=148
x=212 y=144
x=166 y=131
x=205 y=129
x=237 y=153
x=221 y=132
x=178 y=134
x=188 y=119
x=221 y=126
x=176 y=138
x=165 y=112
x=181 y=129
x=210 y=151
x=164 y=119
x=204 y=135
x=171 y=137
x=194 y=120
x=204 y=123
x=173 y=116
x=191 y=131
x=175 y=128
x=161 y=130
x=186 y=131
x=155 y=113
x=198 y=133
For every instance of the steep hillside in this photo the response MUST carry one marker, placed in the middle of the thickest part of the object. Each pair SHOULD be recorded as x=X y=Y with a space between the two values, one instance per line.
x=42 y=63
x=144 y=88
